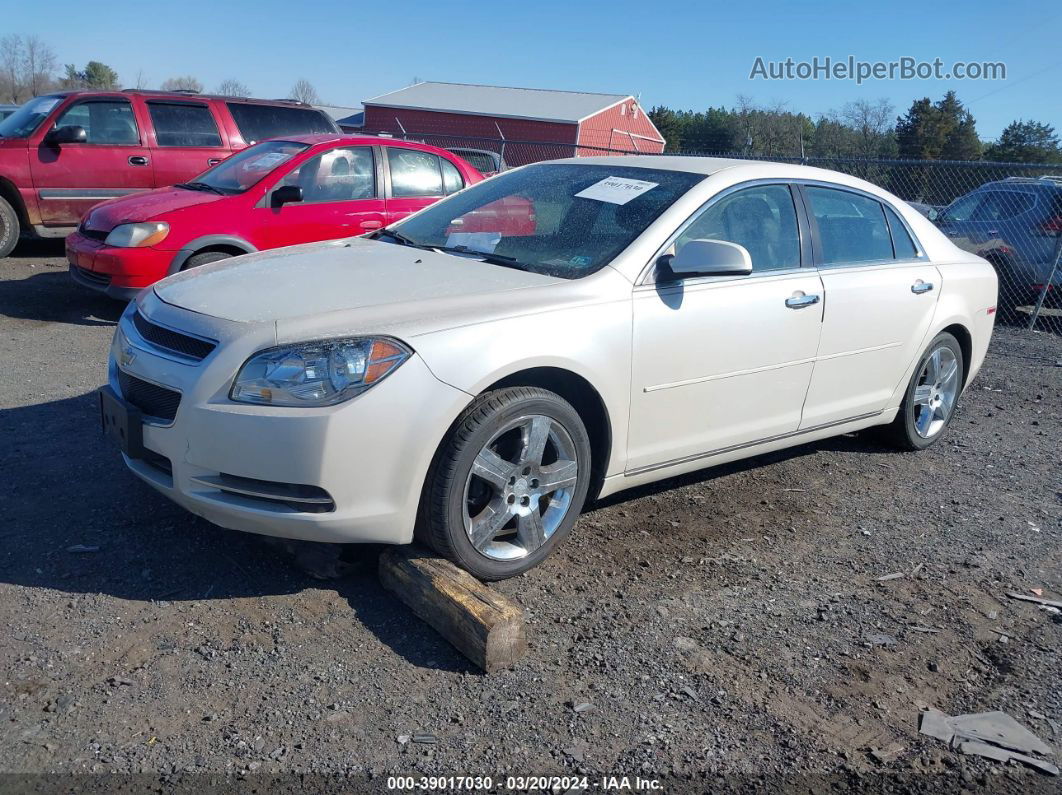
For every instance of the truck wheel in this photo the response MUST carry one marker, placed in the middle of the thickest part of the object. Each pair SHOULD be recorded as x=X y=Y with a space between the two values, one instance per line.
x=9 y=228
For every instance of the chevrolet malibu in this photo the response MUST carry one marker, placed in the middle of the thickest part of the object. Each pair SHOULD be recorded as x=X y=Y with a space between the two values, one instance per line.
x=471 y=383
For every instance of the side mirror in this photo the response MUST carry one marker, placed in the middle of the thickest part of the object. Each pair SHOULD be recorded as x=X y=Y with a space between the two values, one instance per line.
x=70 y=134
x=932 y=215
x=286 y=194
x=708 y=258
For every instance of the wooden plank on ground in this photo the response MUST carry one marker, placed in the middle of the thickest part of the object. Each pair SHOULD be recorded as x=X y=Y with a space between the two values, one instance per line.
x=484 y=625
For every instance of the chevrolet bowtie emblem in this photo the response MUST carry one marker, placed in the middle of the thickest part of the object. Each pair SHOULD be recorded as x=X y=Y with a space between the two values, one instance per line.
x=125 y=358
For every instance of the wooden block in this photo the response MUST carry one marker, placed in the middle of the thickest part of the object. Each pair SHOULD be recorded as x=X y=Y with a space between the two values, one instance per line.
x=484 y=625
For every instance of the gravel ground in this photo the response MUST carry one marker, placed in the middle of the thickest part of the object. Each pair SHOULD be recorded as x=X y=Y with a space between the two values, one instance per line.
x=727 y=629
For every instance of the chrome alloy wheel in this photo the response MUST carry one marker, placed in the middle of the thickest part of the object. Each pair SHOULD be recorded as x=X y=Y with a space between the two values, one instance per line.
x=520 y=487
x=936 y=392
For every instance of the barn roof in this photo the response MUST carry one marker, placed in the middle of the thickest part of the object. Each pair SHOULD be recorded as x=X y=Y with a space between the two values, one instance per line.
x=538 y=104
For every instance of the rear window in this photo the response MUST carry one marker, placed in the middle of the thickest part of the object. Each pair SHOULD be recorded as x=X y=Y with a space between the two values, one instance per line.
x=183 y=124
x=481 y=161
x=259 y=122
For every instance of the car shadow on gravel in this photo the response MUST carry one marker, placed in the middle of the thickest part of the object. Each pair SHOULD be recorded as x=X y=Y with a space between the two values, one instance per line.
x=76 y=521
x=866 y=442
x=51 y=296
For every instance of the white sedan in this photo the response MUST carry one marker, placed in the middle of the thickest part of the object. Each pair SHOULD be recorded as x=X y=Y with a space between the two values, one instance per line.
x=472 y=375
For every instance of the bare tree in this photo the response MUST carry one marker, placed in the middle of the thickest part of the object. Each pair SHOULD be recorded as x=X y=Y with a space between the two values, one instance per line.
x=872 y=121
x=141 y=80
x=38 y=65
x=182 y=83
x=233 y=88
x=303 y=91
x=12 y=55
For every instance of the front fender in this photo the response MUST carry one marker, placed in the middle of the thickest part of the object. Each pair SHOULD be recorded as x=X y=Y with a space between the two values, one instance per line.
x=593 y=342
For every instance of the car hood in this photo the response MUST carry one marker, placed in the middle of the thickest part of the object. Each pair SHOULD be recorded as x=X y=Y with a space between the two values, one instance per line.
x=145 y=206
x=356 y=286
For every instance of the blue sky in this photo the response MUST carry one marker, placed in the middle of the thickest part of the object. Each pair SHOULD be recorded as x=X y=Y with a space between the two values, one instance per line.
x=692 y=55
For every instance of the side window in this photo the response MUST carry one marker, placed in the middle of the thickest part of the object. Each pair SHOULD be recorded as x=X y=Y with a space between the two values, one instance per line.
x=762 y=219
x=452 y=181
x=852 y=227
x=901 y=238
x=181 y=124
x=1001 y=205
x=258 y=122
x=963 y=208
x=413 y=173
x=105 y=121
x=339 y=175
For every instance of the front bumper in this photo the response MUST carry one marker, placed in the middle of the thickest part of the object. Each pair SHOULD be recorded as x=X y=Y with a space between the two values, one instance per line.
x=216 y=458
x=119 y=272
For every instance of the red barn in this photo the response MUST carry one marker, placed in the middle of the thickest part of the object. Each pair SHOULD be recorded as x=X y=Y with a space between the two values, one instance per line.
x=558 y=123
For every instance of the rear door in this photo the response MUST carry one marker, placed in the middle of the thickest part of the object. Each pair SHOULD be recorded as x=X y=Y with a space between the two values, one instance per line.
x=417 y=179
x=340 y=198
x=881 y=292
x=114 y=161
x=185 y=140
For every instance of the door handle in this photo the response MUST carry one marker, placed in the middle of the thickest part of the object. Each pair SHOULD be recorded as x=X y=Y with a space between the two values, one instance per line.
x=138 y=160
x=213 y=161
x=920 y=287
x=800 y=301
x=369 y=225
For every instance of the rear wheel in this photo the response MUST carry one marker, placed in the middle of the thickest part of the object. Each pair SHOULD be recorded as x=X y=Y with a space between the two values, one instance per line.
x=932 y=395
x=9 y=228
x=204 y=258
x=508 y=483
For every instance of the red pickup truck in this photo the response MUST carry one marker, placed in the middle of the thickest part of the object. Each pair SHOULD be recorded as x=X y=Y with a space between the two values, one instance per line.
x=62 y=153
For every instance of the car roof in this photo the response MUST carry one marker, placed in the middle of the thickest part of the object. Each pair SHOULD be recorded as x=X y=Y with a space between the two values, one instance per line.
x=737 y=169
x=178 y=95
x=346 y=139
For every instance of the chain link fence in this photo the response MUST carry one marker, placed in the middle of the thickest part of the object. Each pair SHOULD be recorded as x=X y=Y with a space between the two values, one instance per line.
x=1008 y=213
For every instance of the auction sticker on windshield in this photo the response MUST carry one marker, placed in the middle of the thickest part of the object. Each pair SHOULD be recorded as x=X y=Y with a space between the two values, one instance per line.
x=616 y=190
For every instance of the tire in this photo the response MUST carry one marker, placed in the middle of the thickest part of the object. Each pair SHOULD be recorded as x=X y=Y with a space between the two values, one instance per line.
x=204 y=258
x=501 y=433
x=9 y=228
x=930 y=401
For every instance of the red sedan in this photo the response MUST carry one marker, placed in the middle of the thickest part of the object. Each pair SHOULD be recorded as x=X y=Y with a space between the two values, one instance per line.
x=277 y=193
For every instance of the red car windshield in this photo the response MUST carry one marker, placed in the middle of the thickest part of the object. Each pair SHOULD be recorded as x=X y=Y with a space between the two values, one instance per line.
x=247 y=168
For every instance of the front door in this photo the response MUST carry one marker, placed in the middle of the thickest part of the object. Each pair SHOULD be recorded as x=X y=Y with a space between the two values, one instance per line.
x=339 y=199
x=881 y=293
x=114 y=161
x=724 y=362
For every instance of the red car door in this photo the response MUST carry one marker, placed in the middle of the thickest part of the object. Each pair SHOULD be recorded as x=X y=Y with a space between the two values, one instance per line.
x=340 y=198
x=185 y=139
x=417 y=179
x=112 y=160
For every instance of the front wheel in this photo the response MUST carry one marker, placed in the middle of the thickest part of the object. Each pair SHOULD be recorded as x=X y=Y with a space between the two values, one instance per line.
x=508 y=483
x=929 y=402
x=9 y=228
x=204 y=258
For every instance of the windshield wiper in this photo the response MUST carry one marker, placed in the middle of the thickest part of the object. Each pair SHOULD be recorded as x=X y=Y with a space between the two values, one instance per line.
x=493 y=259
x=405 y=241
x=200 y=186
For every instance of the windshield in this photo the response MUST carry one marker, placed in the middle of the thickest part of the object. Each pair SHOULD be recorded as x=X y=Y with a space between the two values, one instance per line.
x=561 y=219
x=245 y=169
x=24 y=121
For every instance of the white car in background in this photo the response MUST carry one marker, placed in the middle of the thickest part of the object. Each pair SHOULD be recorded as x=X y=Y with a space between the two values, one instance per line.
x=472 y=374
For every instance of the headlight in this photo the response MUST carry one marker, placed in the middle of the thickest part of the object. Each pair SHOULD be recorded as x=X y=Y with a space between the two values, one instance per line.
x=138 y=235
x=320 y=373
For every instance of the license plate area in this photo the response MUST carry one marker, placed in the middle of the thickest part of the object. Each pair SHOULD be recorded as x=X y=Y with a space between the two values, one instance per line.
x=122 y=423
